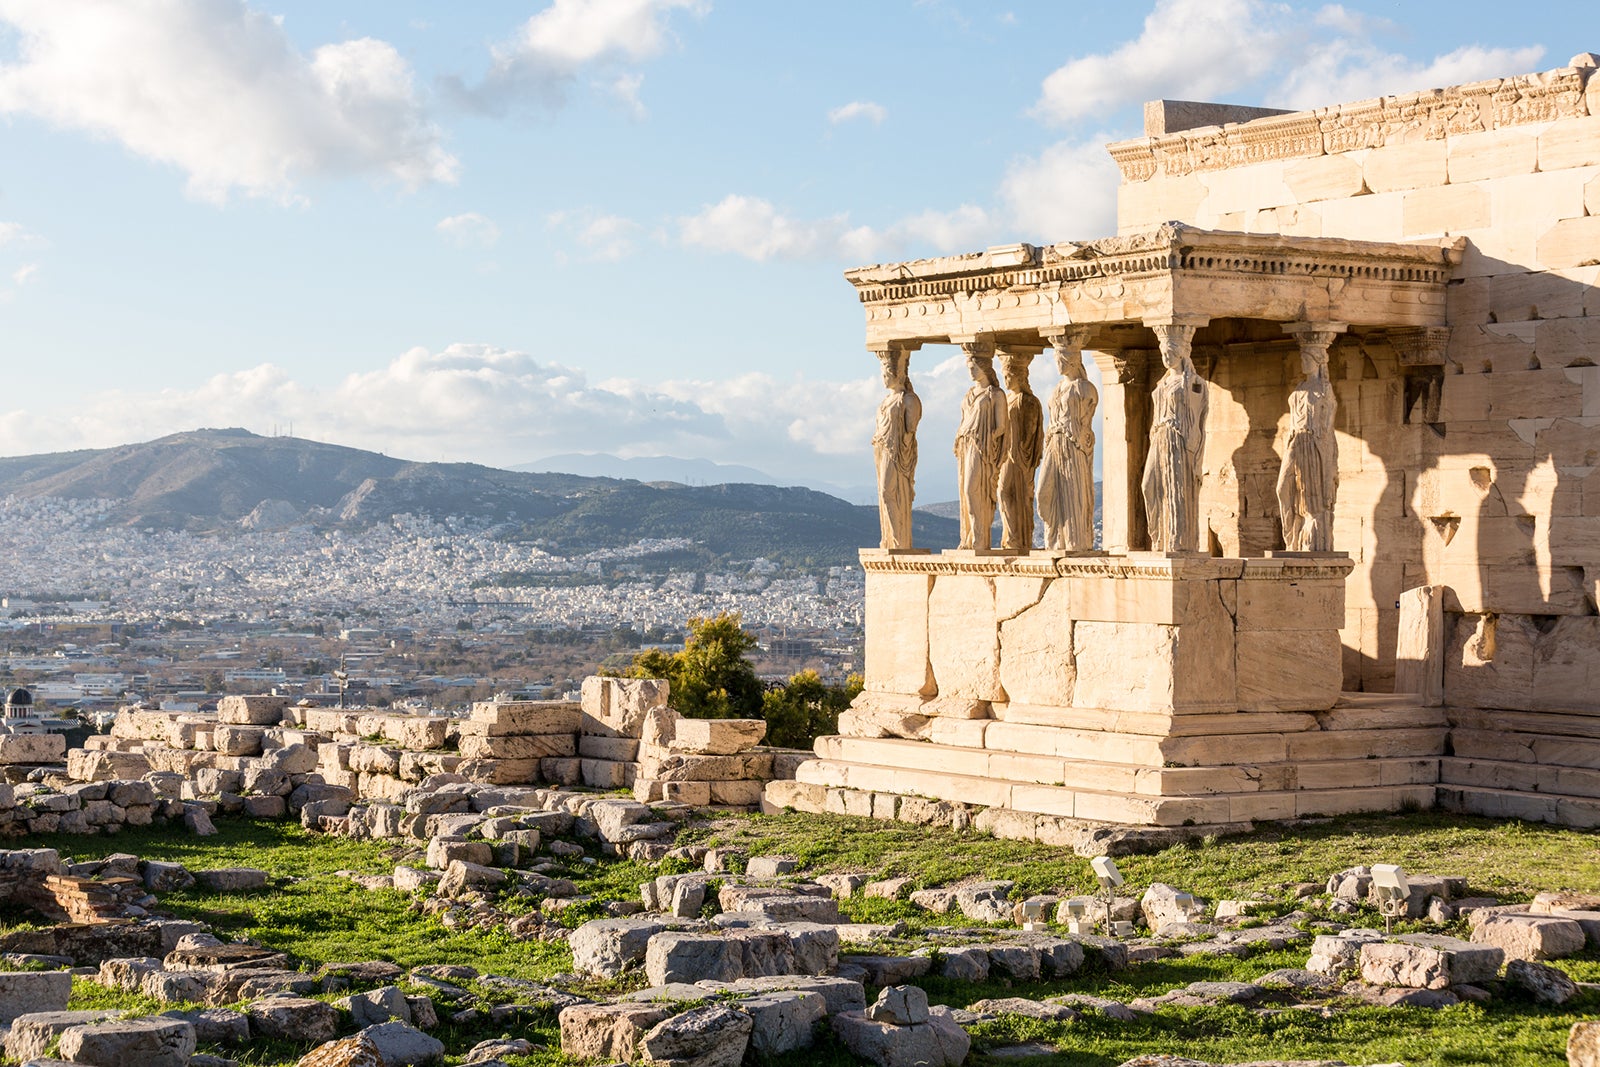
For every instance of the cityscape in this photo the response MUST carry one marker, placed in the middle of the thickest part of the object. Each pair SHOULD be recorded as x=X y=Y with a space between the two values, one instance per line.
x=96 y=615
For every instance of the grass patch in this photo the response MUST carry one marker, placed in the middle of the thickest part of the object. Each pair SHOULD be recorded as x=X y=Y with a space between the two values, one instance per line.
x=319 y=917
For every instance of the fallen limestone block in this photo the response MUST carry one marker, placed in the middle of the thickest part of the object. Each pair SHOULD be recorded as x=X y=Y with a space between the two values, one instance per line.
x=713 y=1036
x=1546 y=984
x=617 y=707
x=987 y=902
x=1333 y=954
x=461 y=876
x=716 y=737
x=680 y=957
x=1162 y=904
x=231 y=879
x=939 y=1042
x=378 y=1006
x=607 y=947
x=215 y=1026
x=1583 y=1044
x=403 y=1045
x=121 y=1042
x=901 y=1005
x=1428 y=961
x=29 y=992
x=293 y=1019
x=354 y=1051
x=484 y=1052
x=252 y=710
x=838 y=994
x=607 y=1032
x=784 y=1021
x=32 y=1035
x=32 y=748
x=967 y=964
x=1532 y=937
x=1029 y=1009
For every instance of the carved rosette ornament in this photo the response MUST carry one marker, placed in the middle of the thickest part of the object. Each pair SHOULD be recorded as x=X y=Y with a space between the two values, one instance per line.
x=1172 y=468
x=894 y=446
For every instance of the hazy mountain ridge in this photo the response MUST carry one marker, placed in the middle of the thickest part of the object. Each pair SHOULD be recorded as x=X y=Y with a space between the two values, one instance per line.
x=218 y=481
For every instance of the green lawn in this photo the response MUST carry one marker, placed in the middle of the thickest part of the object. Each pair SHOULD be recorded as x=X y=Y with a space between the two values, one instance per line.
x=319 y=918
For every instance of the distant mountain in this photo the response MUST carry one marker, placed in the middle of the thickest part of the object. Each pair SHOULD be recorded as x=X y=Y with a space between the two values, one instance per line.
x=648 y=469
x=683 y=471
x=224 y=480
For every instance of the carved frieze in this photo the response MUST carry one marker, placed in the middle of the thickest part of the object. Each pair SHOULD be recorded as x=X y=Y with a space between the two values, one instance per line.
x=1430 y=115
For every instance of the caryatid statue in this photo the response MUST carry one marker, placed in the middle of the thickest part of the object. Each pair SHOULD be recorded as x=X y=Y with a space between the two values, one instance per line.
x=894 y=448
x=1066 y=478
x=1309 y=476
x=980 y=445
x=1172 y=468
x=1024 y=444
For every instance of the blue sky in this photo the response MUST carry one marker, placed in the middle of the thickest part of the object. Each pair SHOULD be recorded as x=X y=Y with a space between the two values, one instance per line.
x=500 y=230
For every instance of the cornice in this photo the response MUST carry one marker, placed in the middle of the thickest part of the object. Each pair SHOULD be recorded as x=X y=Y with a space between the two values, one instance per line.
x=1425 y=116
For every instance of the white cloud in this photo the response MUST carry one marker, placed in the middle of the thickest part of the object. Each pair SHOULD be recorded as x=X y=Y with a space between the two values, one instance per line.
x=625 y=87
x=1288 y=56
x=468 y=230
x=859 y=109
x=1194 y=49
x=218 y=90
x=600 y=237
x=1354 y=68
x=1069 y=192
x=14 y=233
x=550 y=49
x=754 y=228
x=24 y=274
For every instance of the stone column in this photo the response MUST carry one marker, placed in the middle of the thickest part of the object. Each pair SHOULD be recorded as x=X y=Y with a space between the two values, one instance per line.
x=980 y=443
x=1308 y=476
x=1024 y=447
x=1125 y=401
x=894 y=444
x=1174 y=466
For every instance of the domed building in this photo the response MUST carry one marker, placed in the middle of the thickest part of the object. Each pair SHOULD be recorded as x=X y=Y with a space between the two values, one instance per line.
x=19 y=704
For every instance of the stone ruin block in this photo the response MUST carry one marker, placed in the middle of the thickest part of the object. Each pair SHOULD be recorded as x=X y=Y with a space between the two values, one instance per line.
x=716 y=737
x=617 y=707
x=32 y=748
x=252 y=710
x=501 y=718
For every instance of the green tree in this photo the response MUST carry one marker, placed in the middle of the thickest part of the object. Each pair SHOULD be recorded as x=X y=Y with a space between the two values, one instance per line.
x=805 y=708
x=712 y=677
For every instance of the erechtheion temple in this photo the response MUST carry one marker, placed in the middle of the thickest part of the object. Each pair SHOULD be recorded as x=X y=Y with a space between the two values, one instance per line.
x=1351 y=524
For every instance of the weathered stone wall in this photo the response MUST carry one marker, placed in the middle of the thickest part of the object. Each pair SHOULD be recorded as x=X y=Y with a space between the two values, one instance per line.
x=1486 y=495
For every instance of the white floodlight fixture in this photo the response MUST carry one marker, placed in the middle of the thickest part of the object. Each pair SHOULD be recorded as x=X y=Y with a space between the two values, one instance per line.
x=1033 y=915
x=1393 y=891
x=1105 y=869
x=1077 y=907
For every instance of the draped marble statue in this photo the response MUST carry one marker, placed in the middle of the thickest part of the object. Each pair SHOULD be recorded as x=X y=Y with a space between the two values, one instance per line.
x=980 y=447
x=894 y=447
x=1024 y=443
x=1066 y=477
x=1172 y=468
x=1309 y=476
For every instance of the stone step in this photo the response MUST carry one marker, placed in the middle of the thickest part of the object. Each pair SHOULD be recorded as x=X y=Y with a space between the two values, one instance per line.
x=1087 y=802
x=1580 y=812
x=1546 y=749
x=1520 y=777
x=1570 y=724
x=1125 y=778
